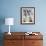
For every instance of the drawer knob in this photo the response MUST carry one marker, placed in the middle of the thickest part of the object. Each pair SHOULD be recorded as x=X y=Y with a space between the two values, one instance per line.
x=33 y=42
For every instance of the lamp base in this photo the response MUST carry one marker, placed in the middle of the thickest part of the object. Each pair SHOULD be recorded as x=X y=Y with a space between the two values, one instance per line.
x=9 y=33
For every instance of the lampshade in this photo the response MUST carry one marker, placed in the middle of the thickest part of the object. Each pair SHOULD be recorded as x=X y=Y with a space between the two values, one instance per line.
x=9 y=21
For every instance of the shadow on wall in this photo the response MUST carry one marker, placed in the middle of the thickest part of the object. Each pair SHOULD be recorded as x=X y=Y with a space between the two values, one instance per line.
x=2 y=21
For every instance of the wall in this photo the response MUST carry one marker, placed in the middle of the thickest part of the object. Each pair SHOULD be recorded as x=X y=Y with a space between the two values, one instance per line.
x=11 y=8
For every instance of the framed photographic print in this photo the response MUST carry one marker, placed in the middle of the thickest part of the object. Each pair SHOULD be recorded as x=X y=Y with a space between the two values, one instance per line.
x=27 y=15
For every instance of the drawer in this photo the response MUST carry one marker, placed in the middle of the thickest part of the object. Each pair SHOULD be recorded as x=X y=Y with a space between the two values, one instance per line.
x=33 y=43
x=9 y=43
x=38 y=43
x=13 y=43
x=16 y=37
x=33 y=37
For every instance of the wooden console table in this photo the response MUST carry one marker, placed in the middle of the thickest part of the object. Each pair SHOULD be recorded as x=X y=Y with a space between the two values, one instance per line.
x=20 y=39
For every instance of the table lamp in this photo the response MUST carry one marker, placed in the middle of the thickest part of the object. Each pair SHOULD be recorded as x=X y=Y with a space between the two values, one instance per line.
x=9 y=21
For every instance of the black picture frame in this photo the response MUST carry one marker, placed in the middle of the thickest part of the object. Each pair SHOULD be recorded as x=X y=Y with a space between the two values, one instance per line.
x=27 y=15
